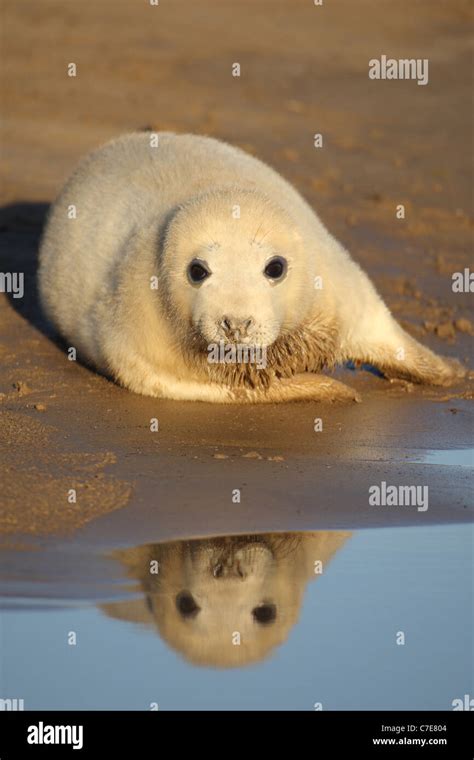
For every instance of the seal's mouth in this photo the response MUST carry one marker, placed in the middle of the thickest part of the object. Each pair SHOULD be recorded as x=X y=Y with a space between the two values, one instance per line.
x=237 y=353
x=256 y=367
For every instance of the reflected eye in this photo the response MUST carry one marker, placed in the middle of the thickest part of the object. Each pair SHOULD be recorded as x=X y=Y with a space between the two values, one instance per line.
x=264 y=614
x=197 y=271
x=186 y=604
x=276 y=268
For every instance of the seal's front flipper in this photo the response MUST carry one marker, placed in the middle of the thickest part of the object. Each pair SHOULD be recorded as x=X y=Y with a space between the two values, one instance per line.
x=404 y=358
x=302 y=387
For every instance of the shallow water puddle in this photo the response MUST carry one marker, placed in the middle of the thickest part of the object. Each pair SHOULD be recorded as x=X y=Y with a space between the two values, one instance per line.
x=368 y=619
x=449 y=457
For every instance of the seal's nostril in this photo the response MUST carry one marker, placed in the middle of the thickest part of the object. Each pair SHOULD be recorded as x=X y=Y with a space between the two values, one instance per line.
x=235 y=325
x=218 y=570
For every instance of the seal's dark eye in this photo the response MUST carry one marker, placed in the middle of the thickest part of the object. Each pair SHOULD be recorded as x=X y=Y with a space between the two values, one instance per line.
x=186 y=604
x=276 y=268
x=197 y=271
x=264 y=614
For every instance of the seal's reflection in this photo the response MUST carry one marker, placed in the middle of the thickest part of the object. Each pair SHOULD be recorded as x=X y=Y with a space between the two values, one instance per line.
x=227 y=601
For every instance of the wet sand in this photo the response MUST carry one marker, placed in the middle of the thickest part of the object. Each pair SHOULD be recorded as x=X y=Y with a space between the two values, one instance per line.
x=304 y=70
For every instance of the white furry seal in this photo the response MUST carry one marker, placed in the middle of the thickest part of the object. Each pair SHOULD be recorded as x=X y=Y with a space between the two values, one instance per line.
x=161 y=248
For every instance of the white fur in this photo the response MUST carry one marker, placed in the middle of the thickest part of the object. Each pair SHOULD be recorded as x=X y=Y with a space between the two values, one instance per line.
x=146 y=211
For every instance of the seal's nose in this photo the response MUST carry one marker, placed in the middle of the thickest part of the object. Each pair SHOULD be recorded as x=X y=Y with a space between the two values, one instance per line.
x=229 y=569
x=236 y=328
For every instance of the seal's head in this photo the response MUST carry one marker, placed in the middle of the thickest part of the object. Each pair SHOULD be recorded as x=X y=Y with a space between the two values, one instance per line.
x=237 y=270
x=225 y=601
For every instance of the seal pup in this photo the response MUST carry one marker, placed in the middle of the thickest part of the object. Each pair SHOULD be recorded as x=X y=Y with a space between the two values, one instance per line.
x=198 y=593
x=162 y=247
